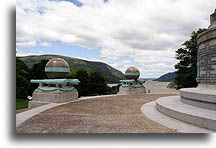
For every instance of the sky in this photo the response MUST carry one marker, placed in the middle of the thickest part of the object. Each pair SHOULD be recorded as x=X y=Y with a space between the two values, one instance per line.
x=121 y=33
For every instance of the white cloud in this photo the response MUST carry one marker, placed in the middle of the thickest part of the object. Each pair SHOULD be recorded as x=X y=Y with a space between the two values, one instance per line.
x=22 y=54
x=145 y=31
x=45 y=44
x=26 y=44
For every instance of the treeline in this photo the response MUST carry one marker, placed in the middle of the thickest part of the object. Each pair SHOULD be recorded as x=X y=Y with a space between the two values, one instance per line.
x=91 y=83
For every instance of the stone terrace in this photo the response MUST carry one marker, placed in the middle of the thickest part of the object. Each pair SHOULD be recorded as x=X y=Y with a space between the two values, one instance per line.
x=116 y=114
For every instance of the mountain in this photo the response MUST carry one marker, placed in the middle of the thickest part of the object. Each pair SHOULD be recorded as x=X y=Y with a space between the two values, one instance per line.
x=168 y=77
x=113 y=75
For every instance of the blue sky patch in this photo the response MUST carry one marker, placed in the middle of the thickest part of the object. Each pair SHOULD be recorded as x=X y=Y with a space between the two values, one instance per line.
x=75 y=2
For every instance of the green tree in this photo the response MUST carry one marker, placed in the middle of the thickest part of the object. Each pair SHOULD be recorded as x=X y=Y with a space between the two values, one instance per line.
x=22 y=80
x=91 y=83
x=38 y=72
x=98 y=84
x=187 y=68
x=82 y=75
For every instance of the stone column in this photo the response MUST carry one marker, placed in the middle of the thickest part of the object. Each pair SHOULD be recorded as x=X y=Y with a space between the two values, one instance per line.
x=207 y=55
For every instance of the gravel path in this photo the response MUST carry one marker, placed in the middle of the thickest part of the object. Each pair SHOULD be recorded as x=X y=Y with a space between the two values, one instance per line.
x=116 y=114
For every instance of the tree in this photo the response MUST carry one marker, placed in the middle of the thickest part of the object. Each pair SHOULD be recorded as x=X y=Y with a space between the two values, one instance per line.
x=187 y=66
x=91 y=83
x=22 y=80
x=82 y=75
x=98 y=84
x=38 y=72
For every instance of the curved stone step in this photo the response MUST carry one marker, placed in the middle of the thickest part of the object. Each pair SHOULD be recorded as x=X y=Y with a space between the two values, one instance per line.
x=173 y=107
x=150 y=111
x=204 y=95
x=200 y=104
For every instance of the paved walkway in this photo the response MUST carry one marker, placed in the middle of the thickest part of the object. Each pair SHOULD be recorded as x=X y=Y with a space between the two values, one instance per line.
x=113 y=114
x=23 y=116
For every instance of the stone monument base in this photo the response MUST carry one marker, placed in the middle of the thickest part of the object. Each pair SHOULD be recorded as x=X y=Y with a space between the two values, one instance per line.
x=204 y=96
x=131 y=90
x=40 y=98
x=196 y=106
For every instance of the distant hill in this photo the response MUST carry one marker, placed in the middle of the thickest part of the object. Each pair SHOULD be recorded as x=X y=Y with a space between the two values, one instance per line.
x=113 y=75
x=168 y=77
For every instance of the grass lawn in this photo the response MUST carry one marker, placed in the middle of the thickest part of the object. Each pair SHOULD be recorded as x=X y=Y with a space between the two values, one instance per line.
x=20 y=103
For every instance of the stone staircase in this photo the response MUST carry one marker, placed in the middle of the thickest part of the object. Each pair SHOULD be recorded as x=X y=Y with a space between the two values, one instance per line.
x=194 y=105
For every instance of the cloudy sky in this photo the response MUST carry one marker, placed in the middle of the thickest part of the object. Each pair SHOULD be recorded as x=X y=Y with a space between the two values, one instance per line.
x=121 y=33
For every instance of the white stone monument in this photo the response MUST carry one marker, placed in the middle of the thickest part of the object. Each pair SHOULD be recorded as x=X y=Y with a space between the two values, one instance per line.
x=197 y=106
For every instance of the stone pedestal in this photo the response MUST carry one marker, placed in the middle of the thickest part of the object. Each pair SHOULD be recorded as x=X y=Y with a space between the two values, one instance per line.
x=198 y=97
x=55 y=97
x=40 y=98
x=56 y=88
x=131 y=90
